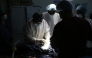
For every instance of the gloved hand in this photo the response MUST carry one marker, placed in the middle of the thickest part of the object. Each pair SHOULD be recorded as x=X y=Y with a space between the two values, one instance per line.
x=46 y=45
x=40 y=41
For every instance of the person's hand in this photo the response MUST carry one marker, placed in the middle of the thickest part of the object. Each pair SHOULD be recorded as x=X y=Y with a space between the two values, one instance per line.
x=46 y=45
x=43 y=40
x=40 y=41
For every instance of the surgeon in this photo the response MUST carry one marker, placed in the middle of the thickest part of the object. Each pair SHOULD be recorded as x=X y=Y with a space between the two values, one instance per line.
x=81 y=12
x=51 y=17
x=37 y=32
x=71 y=34
x=6 y=38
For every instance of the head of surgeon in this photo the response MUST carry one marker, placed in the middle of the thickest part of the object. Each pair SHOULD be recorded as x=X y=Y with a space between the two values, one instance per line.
x=64 y=8
x=81 y=10
x=37 y=18
x=3 y=15
x=51 y=8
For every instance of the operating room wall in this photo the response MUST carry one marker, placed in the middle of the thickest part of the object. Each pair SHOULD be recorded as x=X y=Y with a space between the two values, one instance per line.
x=42 y=3
x=3 y=3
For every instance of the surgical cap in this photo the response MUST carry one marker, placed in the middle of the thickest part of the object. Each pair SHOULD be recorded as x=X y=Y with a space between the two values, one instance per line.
x=64 y=5
x=51 y=6
x=82 y=8
x=37 y=17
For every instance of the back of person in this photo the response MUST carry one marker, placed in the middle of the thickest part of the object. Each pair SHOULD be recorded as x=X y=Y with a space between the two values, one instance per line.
x=73 y=34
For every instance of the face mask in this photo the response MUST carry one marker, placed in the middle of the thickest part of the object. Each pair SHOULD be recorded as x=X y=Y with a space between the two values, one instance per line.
x=79 y=15
x=4 y=17
x=37 y=25
x=51 y=12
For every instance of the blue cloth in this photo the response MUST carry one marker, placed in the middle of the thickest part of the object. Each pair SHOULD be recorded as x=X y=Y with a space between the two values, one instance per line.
x=34 y=50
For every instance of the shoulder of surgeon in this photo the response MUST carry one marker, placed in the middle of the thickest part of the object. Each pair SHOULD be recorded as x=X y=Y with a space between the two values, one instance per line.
x=30 y=21
x=44 y=20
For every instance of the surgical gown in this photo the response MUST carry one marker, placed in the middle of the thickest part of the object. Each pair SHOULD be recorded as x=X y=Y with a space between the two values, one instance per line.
x=32 y=32
x=52 y=20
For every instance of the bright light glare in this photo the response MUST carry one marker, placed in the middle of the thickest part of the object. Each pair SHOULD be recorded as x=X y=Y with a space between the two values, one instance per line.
x=70 y=0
